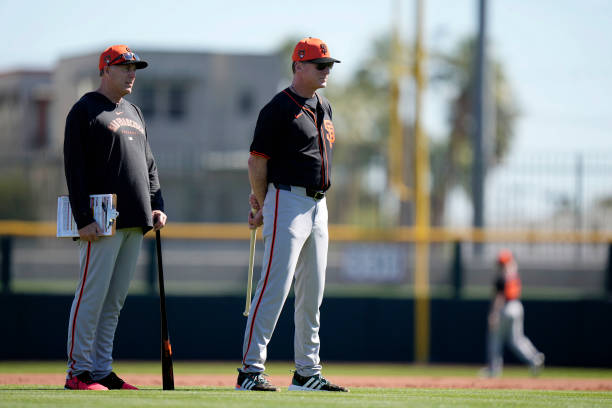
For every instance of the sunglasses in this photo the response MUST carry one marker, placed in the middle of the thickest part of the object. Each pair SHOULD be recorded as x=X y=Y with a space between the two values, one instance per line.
x=321 y=66
x=128 y=56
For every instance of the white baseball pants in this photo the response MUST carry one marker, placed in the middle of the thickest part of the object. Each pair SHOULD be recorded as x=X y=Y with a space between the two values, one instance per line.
x=510 y=331
x=296 y=241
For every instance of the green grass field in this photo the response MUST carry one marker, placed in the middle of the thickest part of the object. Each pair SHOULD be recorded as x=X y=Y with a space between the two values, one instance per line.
x=226 y=397
x=363 y=397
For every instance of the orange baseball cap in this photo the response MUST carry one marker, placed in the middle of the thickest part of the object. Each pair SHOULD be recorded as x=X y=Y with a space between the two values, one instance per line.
x=120 y=55
x=312 y=50
x=504 y=256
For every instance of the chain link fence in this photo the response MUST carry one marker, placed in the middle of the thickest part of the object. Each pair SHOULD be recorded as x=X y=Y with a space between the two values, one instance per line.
x=550 y=193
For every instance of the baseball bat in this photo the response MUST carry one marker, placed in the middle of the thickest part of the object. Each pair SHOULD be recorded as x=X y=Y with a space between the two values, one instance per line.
x=166 y=348
x=247 y=307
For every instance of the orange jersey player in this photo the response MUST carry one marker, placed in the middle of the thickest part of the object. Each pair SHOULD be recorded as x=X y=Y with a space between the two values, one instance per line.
x=505 y=320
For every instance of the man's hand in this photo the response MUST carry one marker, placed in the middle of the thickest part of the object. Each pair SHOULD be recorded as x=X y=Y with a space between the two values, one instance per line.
x=254 y=203
x=90 y=232
x=258 y=170
x=159 y=220
x=255 y=220
x=255 y=215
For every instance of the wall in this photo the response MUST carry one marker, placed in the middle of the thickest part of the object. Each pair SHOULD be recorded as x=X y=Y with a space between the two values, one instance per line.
x=570 y=333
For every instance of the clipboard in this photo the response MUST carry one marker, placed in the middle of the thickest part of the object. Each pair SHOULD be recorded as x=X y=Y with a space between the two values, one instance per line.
x=104 y=207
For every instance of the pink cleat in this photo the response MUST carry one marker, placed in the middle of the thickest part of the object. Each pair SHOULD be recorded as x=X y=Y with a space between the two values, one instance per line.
x=84 y=381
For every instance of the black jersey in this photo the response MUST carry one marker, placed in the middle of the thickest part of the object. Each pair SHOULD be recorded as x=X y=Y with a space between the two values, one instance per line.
x=106 y=151
x=297 y=136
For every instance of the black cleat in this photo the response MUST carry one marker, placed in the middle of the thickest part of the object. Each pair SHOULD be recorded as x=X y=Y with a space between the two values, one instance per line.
x=113 y=382
x=313 y=383
x=254 y=382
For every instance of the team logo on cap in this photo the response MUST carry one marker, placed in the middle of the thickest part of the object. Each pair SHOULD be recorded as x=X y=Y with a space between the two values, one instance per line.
x=301 y=54
x=323 y=49
x=107 y=59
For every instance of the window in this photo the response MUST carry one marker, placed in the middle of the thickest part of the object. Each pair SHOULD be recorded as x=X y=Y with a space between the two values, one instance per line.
x=146 y=101
x=41 y=134
x=245 y=102
x=176 y=102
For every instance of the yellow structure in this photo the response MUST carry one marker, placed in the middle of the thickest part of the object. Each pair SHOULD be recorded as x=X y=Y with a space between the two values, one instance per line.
x=422 y=225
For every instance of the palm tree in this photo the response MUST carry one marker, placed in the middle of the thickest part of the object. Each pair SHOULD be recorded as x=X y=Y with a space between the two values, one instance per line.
x=452 y=158
x=361 y=117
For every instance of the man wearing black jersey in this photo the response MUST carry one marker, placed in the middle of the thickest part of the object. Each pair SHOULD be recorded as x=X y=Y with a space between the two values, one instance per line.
x=106 y=151
x=290 y=172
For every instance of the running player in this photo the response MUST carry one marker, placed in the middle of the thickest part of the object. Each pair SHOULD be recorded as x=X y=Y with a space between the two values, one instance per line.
x=505 y=320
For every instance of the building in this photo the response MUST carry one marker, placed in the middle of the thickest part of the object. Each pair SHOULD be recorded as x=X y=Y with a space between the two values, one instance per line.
x=25 y=162
x=24 y=111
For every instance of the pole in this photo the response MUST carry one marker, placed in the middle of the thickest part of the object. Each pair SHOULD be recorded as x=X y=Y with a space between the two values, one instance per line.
x=396 y=149
x=7 y=252
x=421 y=265
x=578 y=195
x=478 y=165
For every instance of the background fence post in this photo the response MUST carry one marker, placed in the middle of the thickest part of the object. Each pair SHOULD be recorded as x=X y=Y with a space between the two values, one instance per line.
x=7 y=249
x=608 y=273
x=457 y=270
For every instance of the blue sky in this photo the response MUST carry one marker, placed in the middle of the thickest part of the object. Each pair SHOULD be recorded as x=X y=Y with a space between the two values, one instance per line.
x=557 y=53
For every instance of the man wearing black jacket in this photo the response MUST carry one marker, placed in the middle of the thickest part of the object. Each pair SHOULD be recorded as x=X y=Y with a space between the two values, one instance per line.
x=106 y=151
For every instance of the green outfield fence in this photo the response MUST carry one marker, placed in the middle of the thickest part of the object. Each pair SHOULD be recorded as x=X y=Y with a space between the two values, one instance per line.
x=566 y=279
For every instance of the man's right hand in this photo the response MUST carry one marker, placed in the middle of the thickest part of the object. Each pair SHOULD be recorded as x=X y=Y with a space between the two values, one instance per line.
x=254 y=202
x=258 y=170
x=255 y=215
x=90 y=232
x=255 y=220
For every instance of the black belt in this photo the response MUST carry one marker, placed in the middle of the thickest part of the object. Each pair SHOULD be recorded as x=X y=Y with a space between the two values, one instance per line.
x=317 y=195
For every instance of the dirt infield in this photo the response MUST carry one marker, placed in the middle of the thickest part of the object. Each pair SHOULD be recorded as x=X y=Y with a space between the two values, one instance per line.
x=353 y=381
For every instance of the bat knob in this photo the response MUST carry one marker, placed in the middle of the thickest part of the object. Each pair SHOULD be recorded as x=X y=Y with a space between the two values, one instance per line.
x=245 y=314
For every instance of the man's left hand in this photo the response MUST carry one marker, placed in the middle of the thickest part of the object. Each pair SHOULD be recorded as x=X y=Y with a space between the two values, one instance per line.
x=159 y=220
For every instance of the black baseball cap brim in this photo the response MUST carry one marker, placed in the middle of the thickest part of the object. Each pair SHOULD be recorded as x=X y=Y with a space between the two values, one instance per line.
x=139 y=64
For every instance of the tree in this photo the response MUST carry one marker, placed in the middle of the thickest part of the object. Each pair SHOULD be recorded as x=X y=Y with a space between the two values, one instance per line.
x=361 y=112
x=452 y=158
x=361 y=118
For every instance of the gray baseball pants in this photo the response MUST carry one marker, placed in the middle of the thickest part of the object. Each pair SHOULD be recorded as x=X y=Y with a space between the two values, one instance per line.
x=510 y=331
x=296 y=241
x=107 y=268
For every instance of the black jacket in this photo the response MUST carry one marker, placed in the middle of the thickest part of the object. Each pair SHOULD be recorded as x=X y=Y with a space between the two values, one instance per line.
x=106 y=151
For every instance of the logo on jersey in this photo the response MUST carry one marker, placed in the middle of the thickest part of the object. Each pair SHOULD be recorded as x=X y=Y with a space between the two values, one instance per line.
x=117 y=123
x=330 y=134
